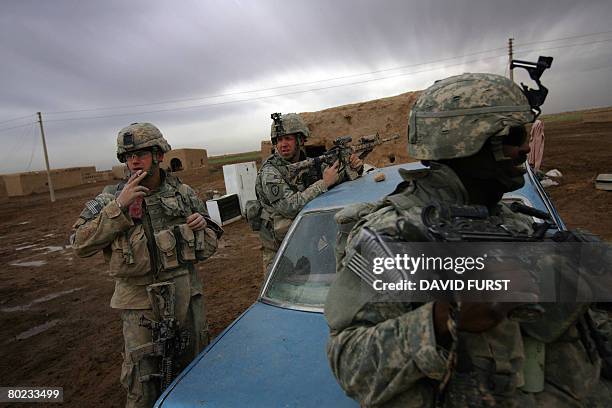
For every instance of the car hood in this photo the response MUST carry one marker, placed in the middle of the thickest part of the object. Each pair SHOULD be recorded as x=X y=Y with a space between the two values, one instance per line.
x=269 y=357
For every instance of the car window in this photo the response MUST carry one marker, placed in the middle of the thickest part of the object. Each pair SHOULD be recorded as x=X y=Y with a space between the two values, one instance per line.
x=307 y=266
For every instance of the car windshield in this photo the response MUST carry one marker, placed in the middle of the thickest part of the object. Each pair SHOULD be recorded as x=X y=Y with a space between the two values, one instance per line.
x=307 y=266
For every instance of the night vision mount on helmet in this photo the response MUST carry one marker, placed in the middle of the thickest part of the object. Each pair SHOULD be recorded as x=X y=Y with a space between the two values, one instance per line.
x=288 y=124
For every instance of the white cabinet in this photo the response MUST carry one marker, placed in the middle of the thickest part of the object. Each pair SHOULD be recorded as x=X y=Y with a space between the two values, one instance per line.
x=240 y=180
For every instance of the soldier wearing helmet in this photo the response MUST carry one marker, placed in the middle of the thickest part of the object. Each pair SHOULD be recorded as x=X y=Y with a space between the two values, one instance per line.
x=468 y=131
x=152 y=229
x=279 y=198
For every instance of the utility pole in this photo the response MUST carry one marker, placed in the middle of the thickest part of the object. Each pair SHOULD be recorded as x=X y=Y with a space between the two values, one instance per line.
x=510 y=58
x=42 y=134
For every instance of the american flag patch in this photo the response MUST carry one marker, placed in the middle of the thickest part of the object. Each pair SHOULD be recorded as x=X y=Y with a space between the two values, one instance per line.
x=94 y=206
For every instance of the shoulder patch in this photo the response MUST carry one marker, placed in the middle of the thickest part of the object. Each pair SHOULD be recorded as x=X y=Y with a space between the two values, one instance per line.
x=95 y=206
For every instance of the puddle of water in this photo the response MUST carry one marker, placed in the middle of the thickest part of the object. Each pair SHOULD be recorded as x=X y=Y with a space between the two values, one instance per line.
x=21 y=248
x=49 y=235
x=37 y=329
x=48 y=249
x=29 y=263
x=45 y=298
x=23 y=223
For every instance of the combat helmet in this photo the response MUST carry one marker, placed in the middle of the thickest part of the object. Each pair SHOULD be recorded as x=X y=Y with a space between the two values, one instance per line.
x=456 y=116
x=138 y=136
x=287 y=124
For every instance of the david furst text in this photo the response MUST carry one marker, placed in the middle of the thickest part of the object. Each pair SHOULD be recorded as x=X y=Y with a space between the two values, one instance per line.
x=443 y=285
x=413 y=264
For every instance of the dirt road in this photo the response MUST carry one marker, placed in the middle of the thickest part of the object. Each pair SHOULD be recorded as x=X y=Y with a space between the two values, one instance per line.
x=56 y=324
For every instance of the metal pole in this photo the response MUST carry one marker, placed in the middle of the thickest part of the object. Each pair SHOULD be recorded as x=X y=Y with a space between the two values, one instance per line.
x=42 y=134
x=510 y=58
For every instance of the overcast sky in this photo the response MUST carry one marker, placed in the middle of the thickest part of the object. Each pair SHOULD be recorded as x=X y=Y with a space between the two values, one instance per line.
x=209 y=73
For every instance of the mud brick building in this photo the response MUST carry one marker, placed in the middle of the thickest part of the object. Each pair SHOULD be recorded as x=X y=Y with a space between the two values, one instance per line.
x=386 y=116
x=3 y=192
x=33 y=182
x=186 y=159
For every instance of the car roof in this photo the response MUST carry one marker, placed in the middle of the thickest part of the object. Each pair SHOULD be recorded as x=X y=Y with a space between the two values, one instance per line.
x=364 y=189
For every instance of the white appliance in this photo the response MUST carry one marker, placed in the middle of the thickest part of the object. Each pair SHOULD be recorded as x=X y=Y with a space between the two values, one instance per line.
x=240 y=179
x=224 y=210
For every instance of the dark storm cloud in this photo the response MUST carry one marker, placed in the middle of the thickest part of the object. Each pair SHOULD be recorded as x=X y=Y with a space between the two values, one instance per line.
x=73 y=55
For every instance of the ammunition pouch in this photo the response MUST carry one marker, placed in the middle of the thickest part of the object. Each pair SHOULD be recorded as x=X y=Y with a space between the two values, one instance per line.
x=280 y=227
x=182 y=245
x=187 y=249
x=129 y=254
x=205 y=244
x=166 y=245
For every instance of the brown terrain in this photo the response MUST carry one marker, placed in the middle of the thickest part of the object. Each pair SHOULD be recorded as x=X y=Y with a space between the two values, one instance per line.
x=56 y=323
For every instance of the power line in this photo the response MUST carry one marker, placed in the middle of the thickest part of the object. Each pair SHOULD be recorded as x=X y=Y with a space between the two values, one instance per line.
x=568 y=38
x=33 y=147
x=268 y=96
x=312 y=82
x=12 y=150
x=14 y=119
x=204 y=105
x=567 y=45
x=278 y=87
x=15 y=127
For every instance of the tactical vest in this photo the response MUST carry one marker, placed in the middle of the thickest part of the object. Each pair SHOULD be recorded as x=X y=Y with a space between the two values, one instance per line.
x=279 y=164
x=162 y=245
x=272 y=226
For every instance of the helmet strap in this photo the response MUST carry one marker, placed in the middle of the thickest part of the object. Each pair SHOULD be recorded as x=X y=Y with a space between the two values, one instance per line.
x=154 y=163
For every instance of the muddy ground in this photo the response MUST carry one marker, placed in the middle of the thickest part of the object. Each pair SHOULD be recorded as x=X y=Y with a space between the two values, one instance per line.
x=56 y=325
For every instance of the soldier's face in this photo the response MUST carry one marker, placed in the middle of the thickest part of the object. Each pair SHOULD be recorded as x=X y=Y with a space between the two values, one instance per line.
x=287 y=147
x=141 y=160
x=516 y=147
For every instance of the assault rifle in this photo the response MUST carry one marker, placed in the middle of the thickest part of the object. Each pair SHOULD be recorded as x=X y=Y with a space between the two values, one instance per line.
x=456 y=223
x=169 y=340
x=310 y=170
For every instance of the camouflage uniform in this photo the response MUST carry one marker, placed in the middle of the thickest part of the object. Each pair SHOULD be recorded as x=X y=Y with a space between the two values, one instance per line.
x=385 y=354
x=159 y=247
x=282 y=199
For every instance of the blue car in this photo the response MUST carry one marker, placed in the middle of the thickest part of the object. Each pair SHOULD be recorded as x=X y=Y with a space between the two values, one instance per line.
x=273 y=355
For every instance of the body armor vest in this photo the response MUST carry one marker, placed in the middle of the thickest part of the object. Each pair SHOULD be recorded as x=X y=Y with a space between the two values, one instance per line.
x=173 y=247
x=268 y=215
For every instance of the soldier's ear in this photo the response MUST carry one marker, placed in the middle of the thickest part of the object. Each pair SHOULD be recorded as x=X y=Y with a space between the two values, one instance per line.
x=160 y=156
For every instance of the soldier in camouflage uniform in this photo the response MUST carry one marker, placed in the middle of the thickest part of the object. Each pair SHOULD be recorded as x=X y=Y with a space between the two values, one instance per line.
x=151 y=228
x=280 y=198
x=469 y=130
